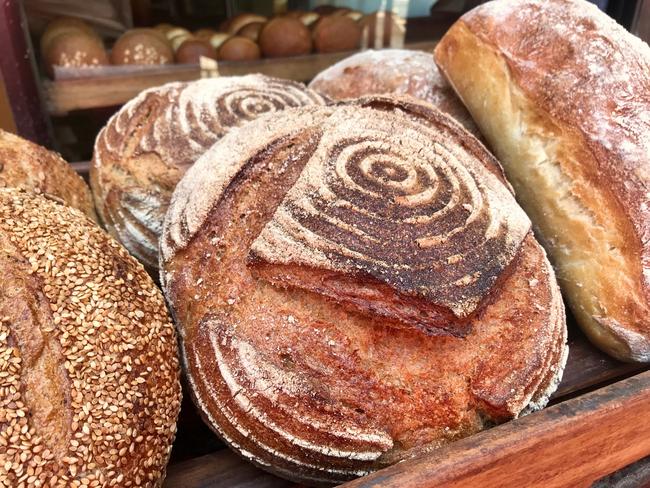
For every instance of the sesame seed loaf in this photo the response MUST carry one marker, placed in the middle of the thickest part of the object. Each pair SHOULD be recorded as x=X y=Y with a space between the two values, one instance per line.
x=29 y=166
x=316 y=379
x=89 y=373
x=146 y=147
x=392 y=72
x=562 y=94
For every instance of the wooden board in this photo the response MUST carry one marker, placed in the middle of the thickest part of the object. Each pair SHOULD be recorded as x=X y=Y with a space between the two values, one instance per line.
x=587 y=369
x=75 y=94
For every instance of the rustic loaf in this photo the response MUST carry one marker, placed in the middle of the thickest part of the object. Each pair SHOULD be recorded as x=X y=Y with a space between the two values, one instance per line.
x=29 y=166
x=396 y=72
x=315 y=377
x=148 y=145
x=89 y=382
x=561 y=92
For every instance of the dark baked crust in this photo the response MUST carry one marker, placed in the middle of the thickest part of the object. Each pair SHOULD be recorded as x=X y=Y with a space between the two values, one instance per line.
x=149 y=144
x=334 y=33
x=284 y=36
x=308 y=389
x=90 y=375
x=29 y=166
x=392 y=72
x=561 y=92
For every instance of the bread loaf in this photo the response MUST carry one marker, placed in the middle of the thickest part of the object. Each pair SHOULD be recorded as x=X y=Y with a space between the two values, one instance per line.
x=192 y=50
x=29 y=166
x=561 y=93
x=311 y=368
x=148 y=145
x=63 y=25
x=334 y=33
x=74 y=49
x=90 y=375
x=238 y=48
x=241 y=20
x=251 y=31
x=142 y=46
x=283 y=37
x=392 y=71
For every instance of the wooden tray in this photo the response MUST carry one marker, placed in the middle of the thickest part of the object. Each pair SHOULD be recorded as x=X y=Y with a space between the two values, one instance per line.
x=108 y=90
x=598 y=423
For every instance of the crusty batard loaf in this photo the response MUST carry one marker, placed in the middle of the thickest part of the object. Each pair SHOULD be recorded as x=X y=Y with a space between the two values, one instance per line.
x=395 y=72
x=147 y=146
x=89 y=374
x=318 y=392
x=29 y=166
x=562 y=93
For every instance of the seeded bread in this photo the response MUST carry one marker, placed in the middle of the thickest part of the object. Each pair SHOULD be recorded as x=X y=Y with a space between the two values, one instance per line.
x=29 y=166
x=310 y=378
x=90 y=388
x=146 y=147
x=561 y=93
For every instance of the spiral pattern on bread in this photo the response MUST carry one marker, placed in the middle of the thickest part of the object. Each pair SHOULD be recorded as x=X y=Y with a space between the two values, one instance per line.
x=148 y=145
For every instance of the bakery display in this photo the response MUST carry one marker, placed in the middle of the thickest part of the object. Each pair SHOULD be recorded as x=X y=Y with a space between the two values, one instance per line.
x=238 y=48
x=29 y=166
x=354 y=281
x=142 y=46
x=285 y=36
x=192 y=50
x=335 y=33
x=392 y=71
x=148 y=145
x=567 y=114
x=90 y=374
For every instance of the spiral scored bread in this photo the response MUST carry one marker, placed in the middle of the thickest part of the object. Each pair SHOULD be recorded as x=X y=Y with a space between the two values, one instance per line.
x=392 y=72
x=29 y=166
x=147 y=146
x=89 y=382
x=321 y=393
x=568 y=114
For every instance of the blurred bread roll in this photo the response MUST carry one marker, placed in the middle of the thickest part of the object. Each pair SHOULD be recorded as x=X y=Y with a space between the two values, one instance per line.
x=75 y=49
x=307 y=18
x=335 y=33
x=192 y=50
x=238 y=48
x=176 y=41
x=252 y=30
x=177 y=31
x=61 y=26
x=241 y=20
x=217 y=39
x=204 y=33
x=142 y=46
x=285 y=36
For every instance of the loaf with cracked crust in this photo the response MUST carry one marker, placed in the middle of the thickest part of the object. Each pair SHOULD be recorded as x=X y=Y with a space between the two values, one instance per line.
x=89 y=373
x=146 y=147
x=296 y=255
x=562 y=94
x=29 y=166
x=392 y=72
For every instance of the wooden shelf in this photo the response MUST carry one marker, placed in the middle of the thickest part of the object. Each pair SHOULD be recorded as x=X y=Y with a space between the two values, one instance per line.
x=594 y=426
x=62 y=96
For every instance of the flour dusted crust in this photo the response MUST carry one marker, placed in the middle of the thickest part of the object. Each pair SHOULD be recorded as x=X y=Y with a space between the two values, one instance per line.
x=148 y=145
x=89 y=373
x=396 y=72
x=29 y=166
x=562 y=94
x=321 y=393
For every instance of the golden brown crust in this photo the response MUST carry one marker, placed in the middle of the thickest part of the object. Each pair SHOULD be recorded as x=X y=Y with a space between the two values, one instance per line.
x=335 y=33
x=576 y=146
x=308 y=389
x=29 y=166
x=238 y=48
x=142 y=46
x=74 y=49
x=90 y=376
x=149 y=144
x=392 y=72
x=284 y=36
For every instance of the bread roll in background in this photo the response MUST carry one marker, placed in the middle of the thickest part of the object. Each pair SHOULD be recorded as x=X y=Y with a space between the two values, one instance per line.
x=285 y=252
x=204 y=33
x=396 y=72
x=238 y=48
x=252 y=30
x=63 y=25
x=177 y=41
x=283 y=37
x=560 y=91
x=74 y=49
x=150 y=142
x=216 y=40
x=307 y=18
x=29 y=166
x=335 y=33
x=91 y=389
x=191 y=51
x=237 y=22
x=142 y=46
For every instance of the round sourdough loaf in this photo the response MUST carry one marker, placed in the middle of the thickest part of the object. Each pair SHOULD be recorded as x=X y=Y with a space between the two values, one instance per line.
x=29 y=166
x=392 y=72
x=148 y=145
x=353 y=282
x=89 y=373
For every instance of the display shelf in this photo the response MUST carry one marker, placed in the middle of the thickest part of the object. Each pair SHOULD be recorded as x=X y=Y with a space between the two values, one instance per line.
x=107 y=90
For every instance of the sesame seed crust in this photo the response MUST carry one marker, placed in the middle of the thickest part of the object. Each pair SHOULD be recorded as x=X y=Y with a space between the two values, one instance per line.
x=89 y=373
